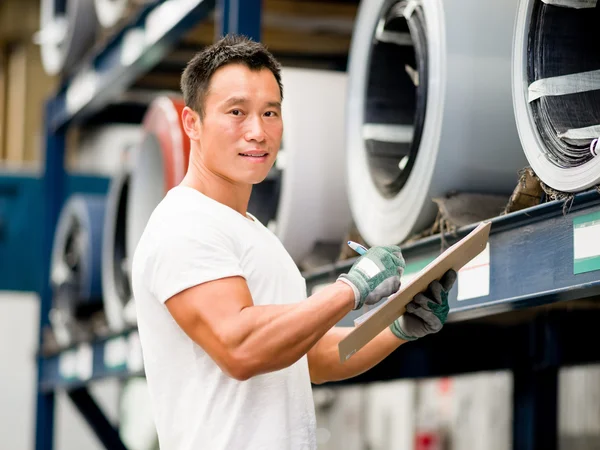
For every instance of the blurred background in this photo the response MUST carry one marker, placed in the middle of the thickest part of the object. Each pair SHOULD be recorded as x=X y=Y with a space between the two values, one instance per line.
x=407 y=122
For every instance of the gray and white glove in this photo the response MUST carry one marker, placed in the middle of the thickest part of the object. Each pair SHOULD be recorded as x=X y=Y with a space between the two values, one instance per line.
x=427 y=312
x=375 y=275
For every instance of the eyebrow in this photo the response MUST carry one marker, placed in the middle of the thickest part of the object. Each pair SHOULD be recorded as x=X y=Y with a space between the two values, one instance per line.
x=242 y=100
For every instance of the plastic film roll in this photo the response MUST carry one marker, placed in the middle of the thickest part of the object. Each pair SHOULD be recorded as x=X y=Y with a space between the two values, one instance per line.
x=429 y=110
x=115 y=274
x=99 y=149
x=556 y=91
x=67 y=32
x=75 y=272
x=109 y=12
x=304 y=200
x=159 y=163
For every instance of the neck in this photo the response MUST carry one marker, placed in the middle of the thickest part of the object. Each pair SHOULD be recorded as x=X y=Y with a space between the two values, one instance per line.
x=216 y=186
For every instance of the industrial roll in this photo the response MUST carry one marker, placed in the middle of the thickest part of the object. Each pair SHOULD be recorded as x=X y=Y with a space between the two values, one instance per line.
x=303 y=200
x=556 y=90
x=66 y=33
x=109 y=12
x=429 y=110
x=158 y=164
x=115 y=262
x=75 y=271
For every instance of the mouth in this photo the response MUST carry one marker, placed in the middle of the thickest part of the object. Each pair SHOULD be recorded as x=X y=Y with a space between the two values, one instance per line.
x=255 y=157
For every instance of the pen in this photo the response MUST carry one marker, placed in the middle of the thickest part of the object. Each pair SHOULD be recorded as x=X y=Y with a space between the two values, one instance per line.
x=361 y=250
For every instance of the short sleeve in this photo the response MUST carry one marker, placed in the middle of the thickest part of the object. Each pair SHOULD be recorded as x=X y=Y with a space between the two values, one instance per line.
x=187 y=256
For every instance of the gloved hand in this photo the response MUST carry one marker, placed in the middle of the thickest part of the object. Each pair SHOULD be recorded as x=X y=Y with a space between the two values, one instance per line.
x=427 y=312
x=375 y=275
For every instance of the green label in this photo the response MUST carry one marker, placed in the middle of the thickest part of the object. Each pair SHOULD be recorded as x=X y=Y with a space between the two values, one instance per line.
x=414 y=267
x=586 y=243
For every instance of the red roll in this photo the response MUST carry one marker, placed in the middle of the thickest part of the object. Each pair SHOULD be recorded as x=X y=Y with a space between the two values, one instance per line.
x=163 y=120
x=158 y=164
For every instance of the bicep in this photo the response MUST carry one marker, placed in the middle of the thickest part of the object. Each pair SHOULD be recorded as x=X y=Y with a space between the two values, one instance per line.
x=209 y=314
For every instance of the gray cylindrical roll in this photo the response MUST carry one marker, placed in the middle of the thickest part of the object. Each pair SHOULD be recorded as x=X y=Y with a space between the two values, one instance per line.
x=65 y=34
x=109 y=12
x=115 y=275
x=75 y=271
x=304 y=199
x=556 y=91
x=429 y=110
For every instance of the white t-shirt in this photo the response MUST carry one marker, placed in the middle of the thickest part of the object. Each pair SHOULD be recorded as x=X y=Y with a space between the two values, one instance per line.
x=191 y=239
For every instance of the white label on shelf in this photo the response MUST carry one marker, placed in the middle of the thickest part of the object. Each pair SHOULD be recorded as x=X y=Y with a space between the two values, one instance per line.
x=132 y=46
x=85 y=362
x=586 y=242
x=135 y=361
x=165 y=16
x=474 y=278
x=81 y=90
x=67 y=364
x=115 y=352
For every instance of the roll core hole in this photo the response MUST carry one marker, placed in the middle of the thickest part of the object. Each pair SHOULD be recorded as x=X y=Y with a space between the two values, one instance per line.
x=562 y=41
x=120 y=274
x=264 y=201
x=396 y=95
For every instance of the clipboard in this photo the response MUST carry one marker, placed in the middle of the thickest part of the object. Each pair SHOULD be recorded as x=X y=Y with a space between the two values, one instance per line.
x=375 y=321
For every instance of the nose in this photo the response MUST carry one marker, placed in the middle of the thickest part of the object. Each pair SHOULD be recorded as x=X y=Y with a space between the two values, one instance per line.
x=255 y=130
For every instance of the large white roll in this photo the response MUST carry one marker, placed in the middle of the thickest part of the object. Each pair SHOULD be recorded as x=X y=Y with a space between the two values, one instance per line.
x=304 y=199
x=109 y=12
x=159 y=163
x=429 y=110
x=75 y=268
x=65 y=34
x=556 y=91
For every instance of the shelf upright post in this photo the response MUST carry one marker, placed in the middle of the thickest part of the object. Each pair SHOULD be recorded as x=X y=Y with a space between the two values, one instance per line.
x=239 y=17
x=53 y=185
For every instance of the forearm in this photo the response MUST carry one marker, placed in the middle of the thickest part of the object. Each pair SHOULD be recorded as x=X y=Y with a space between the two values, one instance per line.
x=325 y=362
x=272 y=337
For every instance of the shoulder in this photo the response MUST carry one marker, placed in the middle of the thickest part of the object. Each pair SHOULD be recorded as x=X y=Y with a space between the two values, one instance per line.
x=186 y=222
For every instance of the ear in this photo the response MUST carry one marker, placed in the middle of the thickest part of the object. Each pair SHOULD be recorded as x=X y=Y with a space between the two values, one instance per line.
x=191 y=123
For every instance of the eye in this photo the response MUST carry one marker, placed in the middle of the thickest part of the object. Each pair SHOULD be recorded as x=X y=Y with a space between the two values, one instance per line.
x=271 y=114
x=236 y=112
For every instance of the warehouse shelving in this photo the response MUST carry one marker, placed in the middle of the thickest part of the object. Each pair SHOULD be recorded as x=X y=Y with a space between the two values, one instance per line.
x=531 y=264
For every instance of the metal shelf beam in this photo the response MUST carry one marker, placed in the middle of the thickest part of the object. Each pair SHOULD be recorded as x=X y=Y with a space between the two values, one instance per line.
x=129 y=54
x=531 y=261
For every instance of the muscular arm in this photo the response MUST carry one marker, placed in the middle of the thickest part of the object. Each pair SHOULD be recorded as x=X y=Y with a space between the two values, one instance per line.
x=324 y=360
x=246 y=340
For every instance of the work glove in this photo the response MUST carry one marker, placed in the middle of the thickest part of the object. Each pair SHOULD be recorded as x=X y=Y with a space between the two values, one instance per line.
x=375 y=275
x=427 y=312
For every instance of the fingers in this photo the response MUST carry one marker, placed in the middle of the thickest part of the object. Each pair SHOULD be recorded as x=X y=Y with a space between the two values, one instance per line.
x=448 y=279
x=424 y=313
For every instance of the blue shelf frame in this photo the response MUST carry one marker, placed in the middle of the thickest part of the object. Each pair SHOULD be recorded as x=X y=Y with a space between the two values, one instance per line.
x=533 y=351
x=111 y=78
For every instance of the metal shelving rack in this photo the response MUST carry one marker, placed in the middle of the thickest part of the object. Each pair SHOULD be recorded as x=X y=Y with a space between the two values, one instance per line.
x=531 y=265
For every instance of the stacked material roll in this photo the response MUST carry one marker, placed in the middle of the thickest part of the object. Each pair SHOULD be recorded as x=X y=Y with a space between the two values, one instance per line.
x=556 y=90
x=75 y=271
x=158 y=164
x=429 y=110
x=304 y=200
x=67 y=32
x=115 y=263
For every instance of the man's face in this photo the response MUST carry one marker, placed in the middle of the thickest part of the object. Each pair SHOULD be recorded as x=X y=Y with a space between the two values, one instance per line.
x=242 y=127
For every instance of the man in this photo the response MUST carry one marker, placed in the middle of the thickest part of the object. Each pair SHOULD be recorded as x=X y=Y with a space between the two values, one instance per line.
x=230 y=341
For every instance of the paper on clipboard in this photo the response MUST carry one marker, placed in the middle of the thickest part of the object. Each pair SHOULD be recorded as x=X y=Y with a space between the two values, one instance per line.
x=376 y=320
